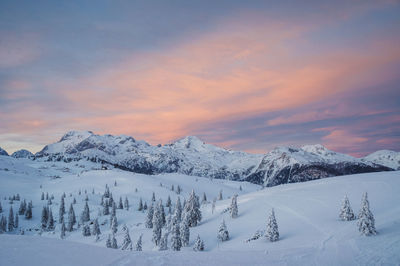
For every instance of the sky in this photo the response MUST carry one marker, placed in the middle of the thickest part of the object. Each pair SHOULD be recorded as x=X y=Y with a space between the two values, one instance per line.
x=243 y=75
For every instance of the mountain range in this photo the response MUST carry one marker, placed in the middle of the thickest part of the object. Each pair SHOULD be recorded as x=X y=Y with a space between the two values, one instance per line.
x=191 y=156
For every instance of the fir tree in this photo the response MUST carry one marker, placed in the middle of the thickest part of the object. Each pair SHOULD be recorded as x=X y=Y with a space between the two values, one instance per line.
x=126 y=204
x=140 y=208
x=114 y=224
x=86 y=213
x=185 y=232
x=346 y=213
x=168 y=204
x=114 y=209
x=49 y=202
x=3 y=224
x=234 y=207
x=106 y=210
x=220 y=195
x=22 y=207
x=61 y=212
x=62 y=233
x=366 y=222
x=163 y=242
x=204 y=198
x=192 y=210
x=96 y=229
x=86 y=230
x=28 y=213
x=114 y=242
x=272 y=232
x=149 y=217
x=120 y=205
x=86 y=198
x=115 y=183
x=42 y=197
x=44 y=218
x=108 y=242
x=157 y=225
x=176 y=243
x=138 y=245
x=223 y=234
x=50 y=221
x=162 y=213
x=127 y=243
x=153 y=197
x=74 y=201
x=71 y=218
x=16 y=221
x=145 y=206
x=199 y=244
x=1 y=208
x=47 y=196
x=11 y=220
x=102 y=201
x=110 y=200
x=178 y=190
x=172 y=188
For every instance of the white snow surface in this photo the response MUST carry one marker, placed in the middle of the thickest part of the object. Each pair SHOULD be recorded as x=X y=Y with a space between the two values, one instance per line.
x=307 y=215
x=384 y=157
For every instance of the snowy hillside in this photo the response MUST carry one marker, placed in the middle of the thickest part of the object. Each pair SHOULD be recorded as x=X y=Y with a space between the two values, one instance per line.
x=307 y=216
x=3 y=152
x=384 y=157
x=22 y=154
x=191 y=156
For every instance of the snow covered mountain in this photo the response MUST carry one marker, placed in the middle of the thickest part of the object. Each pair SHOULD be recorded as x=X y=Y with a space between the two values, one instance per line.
x=289 y=165
x=22 y=154
x=384 y=157
x=3 y=152
x=191 y=156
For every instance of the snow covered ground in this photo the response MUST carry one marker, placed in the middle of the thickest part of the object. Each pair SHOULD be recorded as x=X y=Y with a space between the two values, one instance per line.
x=307 y=216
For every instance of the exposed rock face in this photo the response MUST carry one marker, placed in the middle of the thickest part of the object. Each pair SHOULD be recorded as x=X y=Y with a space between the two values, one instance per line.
x=22 y=154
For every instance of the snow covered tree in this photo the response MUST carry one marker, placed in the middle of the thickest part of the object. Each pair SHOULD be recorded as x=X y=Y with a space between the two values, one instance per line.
x=28 y=213
x=138 y=245
x=86 y=213
x=61 y=211
x=149 y=217
x=172 y=188
x=11 y=220
x=185 y=232
x=114 y=224
x=126 y=204
x=223 y=234
x=199 y=244
x=140 y=208
x=114 y=209
x=176 y=242
x=176 y=219
x=96 y=229
x=145 y=206
x=178 y=190
x=47 y=196
x=71 y=217
x=127 y=243
x=108 y=242
x=168 y=202
x=86 y=230
x=192 y=210
x=153 y=197
x=120 y=205
x=50 y=221
x=366 y=222
x=74 y=201
x=157 y=225
x=106 y=192
x=115 y=183
x=163 y=242
x=86 y=198
x=16 y=221
x=3 y=224
x=22 y=207
x=110 y=200
x=272 y=232
x=1 y=208
x=220 y=195
x=44 y=217
x=42 y=197
x=234 y=207
x=162 y=213
x=114 y=242
x=106 y=210
x=346 y=213
x=204 y=200
x=62 y=233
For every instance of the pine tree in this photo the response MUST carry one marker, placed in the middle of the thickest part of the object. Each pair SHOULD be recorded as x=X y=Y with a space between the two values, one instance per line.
x=22 y=208
x=153 y=197
x=107 y=193
x=223 y=234
x=96 y=229
x=49 y=202
x=50 y=221
x=185 y=232
x=71 y=219
x=102 y=201
x=61 y=212
x=163 y=242
x=192 y=210
x=62 y=233
x=346 y=213
x=86 y=230
x=178 y=190
x=220 y=195
x=106 y=210
x=114 y=242
x=110 y=200
x=16 y=221
x=157 y=224
x=272 y=232
x=114 y=209
x=74 y=201
x=115 y=183
x=138 y=246
x=366 y=223
x=126 y=204
x=199 y=244
x=145 y=206
x=149 y=217
x=140 y=208
x=114 y=224
x=172 y=188
x=3 y=224
x=47 y=196
x=42 y=197
x=168 y=202
x=176 y=243
x=44 y=217
x=234 y=207
x=108 y=242
x=1 y=208
x=127 y=243
x=204 y=198
x=120 y=205
x=162 y=213
x=86 y=198
x=86 y=213
x=11 y=220
x=28 y=213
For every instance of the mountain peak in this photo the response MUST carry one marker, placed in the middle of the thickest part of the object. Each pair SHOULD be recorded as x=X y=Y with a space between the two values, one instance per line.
x=76 y=134
x=22 y=154
x=3 y=152
x=189 y=142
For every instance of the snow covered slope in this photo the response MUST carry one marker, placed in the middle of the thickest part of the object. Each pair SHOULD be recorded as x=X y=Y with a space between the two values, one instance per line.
x=191 y=156
x=384 y=157
x=289 y=165
x=22 y=154
x=307 y=216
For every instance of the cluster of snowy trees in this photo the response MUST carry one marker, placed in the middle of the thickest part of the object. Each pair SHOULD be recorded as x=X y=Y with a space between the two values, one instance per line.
x=11 y=223
x=366 y=221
